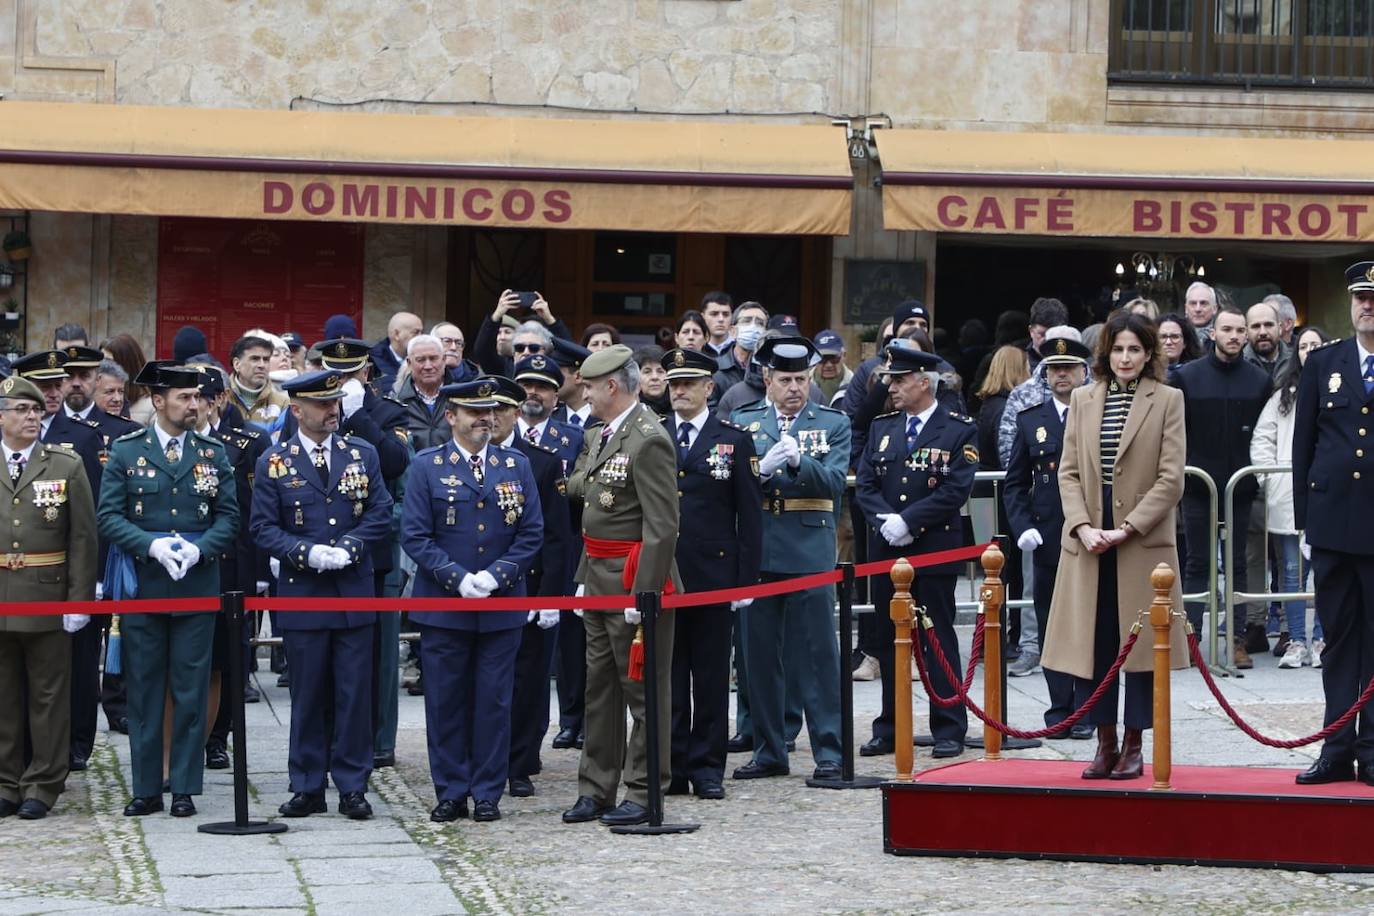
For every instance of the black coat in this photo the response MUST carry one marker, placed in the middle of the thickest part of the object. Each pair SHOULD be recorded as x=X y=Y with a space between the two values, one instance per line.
x=1222 y=402
x=1031 y=492
x=720 y=539
x=553 y=567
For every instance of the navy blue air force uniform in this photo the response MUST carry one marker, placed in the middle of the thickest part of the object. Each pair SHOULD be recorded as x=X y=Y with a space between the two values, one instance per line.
x=926 y=481
x=454 y=524
x=296 y=506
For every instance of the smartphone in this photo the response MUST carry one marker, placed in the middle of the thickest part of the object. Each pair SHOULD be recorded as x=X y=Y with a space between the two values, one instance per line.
x=527 y=300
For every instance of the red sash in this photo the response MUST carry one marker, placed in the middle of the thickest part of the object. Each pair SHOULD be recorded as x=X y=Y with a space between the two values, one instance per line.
x=606 y=549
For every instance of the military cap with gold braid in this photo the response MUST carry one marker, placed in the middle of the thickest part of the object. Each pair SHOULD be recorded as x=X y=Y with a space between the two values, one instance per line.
x=1064 y=352
x=345 y=354
x=325 y=385
x=478 y=394
x=539 y=368
x=83 y=357
x=508 y=393
x=17 y=387
x=682 y=363
x=1360 y=277
x=43 y=366
x=903 y=359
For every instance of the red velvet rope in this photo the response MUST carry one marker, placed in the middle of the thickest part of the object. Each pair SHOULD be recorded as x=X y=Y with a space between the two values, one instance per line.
x=1195 y=650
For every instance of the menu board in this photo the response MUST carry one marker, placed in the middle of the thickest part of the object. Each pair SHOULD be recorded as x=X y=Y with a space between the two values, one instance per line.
x=228 y=276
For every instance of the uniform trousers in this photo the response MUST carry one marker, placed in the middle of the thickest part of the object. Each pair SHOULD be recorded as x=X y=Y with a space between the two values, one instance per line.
x=936 y=593
x=701 y=693
x=810 y=662
x=743 y=725
x=1060 y=685
x=529 y=717
x=87 y=644
x=165 y=652
x=1345 y=607
x=469 y=679
x=571 y=672
x=605 y=757
x=331 y=708
x=386 y=683
x=39 y=665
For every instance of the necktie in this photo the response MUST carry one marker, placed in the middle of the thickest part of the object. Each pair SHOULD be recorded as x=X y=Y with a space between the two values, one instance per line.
x=532 y=434
x=173 y=451
x=913 y=426
x=1369 y=374
x=317 y=459
x=784 y=424
x=475 y=462
x=574 y=419
x=16 y=466
x=684 y=441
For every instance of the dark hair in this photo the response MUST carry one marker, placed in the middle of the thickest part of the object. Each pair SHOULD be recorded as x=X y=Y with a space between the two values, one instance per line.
x=1048 y=313
x=1143 y=328
x=921 y=337
x=649 y=353
x=599 y=328
x=1287 y=383
x=1192 y=348
x=1011 y=327
x=973 y=333
x=124 y=349
x=249 y=342
x=694 y=317
x=1230 y=308
x=70 y=332
x=717 y=296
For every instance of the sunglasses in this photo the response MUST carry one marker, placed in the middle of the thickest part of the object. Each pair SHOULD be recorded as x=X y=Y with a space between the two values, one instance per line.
x=528 y=348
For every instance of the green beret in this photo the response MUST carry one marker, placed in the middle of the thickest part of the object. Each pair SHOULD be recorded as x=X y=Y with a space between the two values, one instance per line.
x=606 y=361
x=509 y=322
x=16 y=386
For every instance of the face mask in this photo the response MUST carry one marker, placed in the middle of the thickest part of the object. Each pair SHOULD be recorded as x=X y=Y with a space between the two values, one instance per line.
x=748 y=336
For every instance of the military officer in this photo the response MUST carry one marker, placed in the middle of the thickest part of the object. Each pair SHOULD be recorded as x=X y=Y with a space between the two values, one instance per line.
x=626 y=479
x=472 y=524
x=1333 y=498
x=318 y=506
x=789 y=640
x=718 y=547
x=1031 y=496
x=541 y=379
x=47 y=369
x=915 y=475
x=52 y=557
x=549 y=575
x=168 y=504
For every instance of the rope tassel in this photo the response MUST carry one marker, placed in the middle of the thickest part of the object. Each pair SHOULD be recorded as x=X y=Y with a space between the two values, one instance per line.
x=636 y=672
x=113 y=661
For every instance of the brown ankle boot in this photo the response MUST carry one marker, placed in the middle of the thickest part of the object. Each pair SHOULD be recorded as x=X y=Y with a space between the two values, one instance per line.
x=1129 y=765
x=1105 y=759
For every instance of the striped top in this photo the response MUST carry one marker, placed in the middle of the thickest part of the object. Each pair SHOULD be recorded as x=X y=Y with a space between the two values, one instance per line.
x=1114 y=415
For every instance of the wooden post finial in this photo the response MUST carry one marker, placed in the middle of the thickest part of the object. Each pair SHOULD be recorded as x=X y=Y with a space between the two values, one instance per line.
x=902 y=575
x=993 y=560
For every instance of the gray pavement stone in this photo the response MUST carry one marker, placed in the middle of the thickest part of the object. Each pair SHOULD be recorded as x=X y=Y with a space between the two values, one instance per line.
x=242 y=890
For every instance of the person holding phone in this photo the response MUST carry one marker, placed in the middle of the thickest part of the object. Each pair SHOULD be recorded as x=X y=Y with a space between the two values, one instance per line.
x=513 y=305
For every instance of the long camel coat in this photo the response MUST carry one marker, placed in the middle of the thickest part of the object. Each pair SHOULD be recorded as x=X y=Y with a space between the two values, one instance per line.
x=1148 y=486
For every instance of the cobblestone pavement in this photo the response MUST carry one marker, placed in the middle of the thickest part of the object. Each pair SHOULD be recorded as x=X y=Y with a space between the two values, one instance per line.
x=772 y=846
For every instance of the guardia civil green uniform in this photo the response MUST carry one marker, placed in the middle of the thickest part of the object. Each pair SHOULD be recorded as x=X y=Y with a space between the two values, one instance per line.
x=143 y=497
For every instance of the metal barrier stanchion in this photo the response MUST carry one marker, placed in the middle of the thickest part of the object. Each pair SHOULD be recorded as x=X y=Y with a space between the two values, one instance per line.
x=993 y=682
x=231 y=605
x=1213 y=628
x=900 y=611
x=649 y=604
x=1161 y=620
x=847 y=778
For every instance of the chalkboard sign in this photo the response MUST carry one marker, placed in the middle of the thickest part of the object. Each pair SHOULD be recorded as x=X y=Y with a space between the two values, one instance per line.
x=872 y=289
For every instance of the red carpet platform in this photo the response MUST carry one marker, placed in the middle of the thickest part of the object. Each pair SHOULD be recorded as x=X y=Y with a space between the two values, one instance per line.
x=1041 y=809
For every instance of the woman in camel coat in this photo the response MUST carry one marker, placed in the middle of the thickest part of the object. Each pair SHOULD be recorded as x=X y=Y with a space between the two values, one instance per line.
x=1120 y=478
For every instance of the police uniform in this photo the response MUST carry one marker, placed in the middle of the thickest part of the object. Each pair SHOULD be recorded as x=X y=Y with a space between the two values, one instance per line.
x=147 y=499
x=924 y=481
x=317 y=508
x=718 y=546
x=458 y=525
x=789 y=640
x=50 y=556
x=1333 y=497
x=1031 y=497
x=80 y=436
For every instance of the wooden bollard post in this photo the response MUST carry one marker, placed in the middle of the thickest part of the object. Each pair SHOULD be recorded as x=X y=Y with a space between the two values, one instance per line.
x=992 y=595
x=900 y=611
x=1161 y=621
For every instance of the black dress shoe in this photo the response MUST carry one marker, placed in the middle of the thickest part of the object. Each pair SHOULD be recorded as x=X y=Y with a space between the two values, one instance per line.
x=791 y=746
x=121 y=725
x=626 y=815
x=32 y=810
x=216 y=757
x=585 y=809
x=8 y=808
x=76 y=764
x=1325 y=771
x=565 y=738
x=826 y=771
x=1082 y=732
x=740 y=744
x=677 y=786
x=947 y=747
x=710 y=789
x=141 y=806
x=1364 y=772
x=166 y=786
x=304 y=804
x=449 y=810
x=483 y=811
x=381 y=761
x=877 y=747
x=581 y=741
x=755 y=770
x=182 y=806
x=251 y=694
x=284 y=679
x=354 y=806
x=520 y=787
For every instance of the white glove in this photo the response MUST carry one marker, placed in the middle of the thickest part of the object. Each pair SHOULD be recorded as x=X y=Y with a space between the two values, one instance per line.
x=73 y=622
x=353 y=397
x=894 y=529
x=793 y=450
x=547 y=619
x=263 y=587
x=190 y=554
x=632 y=616
x=741 y=604
x=341 y=557
x=323 y=558
x=1305 y=547
x=1029 y=539
x=485 y=581
x=773 y=459
x=164 y=551
x=581 y=590
x=468 y=587
x=100 y=591
x=274 y=565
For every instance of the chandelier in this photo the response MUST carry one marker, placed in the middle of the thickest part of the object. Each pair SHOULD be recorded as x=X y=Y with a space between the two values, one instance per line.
x=1157 y=274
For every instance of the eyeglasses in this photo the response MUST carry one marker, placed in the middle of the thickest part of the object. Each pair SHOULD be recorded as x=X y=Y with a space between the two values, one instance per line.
x=25 y=410
x=456 y=342
x=528 y=348
x=1170 y=336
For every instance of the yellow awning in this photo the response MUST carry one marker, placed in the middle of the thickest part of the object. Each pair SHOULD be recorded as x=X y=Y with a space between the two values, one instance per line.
x=1121 y=185
x=362 y=166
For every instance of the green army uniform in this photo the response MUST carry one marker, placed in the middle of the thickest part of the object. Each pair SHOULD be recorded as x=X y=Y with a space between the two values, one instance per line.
x=143 y=497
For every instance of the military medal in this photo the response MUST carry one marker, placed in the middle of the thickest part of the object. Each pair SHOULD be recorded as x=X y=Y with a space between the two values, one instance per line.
x=510 y=497
x=754 y=466
x=143 y=462
x=451 y=517
x=1040 y=434
x=1333 y=384
x=607 y=499
x=299 y=517
x=48 y=495
x=138 y=508
x=203 y=510
x=438 y=460
x=358 y=509
x=755 y=426
x=721 y=459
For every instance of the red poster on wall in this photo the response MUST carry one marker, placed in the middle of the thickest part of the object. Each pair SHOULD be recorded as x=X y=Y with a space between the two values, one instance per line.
x=228 y=276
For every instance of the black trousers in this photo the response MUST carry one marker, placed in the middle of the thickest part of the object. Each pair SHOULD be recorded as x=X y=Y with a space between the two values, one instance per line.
x=529 y=709
x=1060 y=684
x=701 y=692
x=1197 y=536
x=87 y=645
x=1107 y=646
x=936 y=593
x=571 y=671
x=1345 y=606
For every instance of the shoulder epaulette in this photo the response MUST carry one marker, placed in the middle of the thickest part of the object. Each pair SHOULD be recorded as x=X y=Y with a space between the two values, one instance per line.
x=544 y=448
x=827 y=408
x=729 y=425
x=91 y=423
x=242 y=443
x=752 y=405
x=249 y=433
x=1322 y=346
x=60 y=450
x=393 y=399
x=204 y=438
x=963 y=418
x=132 y=435
x=884 y=416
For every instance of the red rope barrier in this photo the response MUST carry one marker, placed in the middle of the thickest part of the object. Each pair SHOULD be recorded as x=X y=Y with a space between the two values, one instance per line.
x=1195 y=650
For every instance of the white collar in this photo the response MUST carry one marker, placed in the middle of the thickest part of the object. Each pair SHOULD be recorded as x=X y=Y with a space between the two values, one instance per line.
x=795 y=417
x=26 y=453
x=510 y=440
x=79 y=416
x=524 y=427
x=696 y=422
x=1364 y=354
x=467 y=455
x=163 y=438
x=925 y=415
x=583 y=413
x=310 y=446
x=614 y=425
